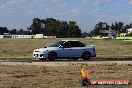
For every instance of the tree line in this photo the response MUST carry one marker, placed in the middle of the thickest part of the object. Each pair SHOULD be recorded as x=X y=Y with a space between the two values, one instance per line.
x=53 y=27
x=118 y=27
x=64 y=29
x=48 y=27
x=13 y=31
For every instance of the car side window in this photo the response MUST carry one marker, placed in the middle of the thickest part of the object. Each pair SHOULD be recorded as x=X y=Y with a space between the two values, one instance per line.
x=67 y=44
x=77 y=44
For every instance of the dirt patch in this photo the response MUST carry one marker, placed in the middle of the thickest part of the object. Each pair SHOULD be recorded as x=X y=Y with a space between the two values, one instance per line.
x=60 y=76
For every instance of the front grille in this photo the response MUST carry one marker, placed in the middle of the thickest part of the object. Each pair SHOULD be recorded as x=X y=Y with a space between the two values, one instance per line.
x=36 y=51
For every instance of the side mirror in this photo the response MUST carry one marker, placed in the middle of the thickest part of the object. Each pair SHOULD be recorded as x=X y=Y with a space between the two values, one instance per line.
x=61 y=46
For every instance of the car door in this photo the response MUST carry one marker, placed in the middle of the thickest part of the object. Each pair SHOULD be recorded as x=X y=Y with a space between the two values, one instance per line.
x=66 y=50
x=77 y=48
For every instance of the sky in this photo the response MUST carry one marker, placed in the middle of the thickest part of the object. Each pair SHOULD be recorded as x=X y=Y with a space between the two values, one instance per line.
x=18 y=14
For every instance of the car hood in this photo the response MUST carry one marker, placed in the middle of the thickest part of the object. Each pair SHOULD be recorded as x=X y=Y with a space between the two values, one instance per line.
x=45 y=49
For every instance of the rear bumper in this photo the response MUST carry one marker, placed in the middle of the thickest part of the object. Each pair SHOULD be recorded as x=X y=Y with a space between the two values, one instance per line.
x=93 y=56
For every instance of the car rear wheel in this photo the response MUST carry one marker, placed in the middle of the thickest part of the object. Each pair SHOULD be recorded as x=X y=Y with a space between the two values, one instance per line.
x=86 y=56
x=52 y=56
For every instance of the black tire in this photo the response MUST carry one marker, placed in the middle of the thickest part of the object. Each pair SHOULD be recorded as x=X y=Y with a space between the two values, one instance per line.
x=42 y=59
x=52 y=56
x=85 y=82
x=86 y=56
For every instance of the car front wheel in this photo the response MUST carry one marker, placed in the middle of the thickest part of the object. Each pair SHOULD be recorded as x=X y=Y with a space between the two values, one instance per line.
x=86 y=56
x=52 y=56
x=42 y=59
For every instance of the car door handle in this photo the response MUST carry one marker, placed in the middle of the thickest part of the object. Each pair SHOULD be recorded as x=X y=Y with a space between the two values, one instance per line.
x=70 y=49
x=83 y=49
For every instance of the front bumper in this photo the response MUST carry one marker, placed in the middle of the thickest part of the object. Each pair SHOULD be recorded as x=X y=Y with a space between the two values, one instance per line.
x=39 y=55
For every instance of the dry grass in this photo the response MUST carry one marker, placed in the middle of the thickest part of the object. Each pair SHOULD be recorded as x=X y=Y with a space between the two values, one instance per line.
x=27 y=76
x=23 y=48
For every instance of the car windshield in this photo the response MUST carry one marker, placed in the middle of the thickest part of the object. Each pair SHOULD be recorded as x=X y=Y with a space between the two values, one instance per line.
x=57 y=44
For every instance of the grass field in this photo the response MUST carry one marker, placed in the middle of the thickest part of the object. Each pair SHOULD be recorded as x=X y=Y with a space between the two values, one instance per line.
x=37 y=76
x=23 y=48
x=61 y=76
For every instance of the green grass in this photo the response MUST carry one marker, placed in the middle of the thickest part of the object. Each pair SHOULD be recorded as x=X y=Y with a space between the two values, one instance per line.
x=124 y=37
x=23 y=48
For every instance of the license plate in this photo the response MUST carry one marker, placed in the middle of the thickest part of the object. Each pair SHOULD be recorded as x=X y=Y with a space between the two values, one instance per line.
x=36 y=55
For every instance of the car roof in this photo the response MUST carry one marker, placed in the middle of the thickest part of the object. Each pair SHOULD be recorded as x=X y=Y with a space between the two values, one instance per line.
x=69 y=40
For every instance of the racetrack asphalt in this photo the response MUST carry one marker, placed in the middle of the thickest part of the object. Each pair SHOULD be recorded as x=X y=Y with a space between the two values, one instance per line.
x=63 y=60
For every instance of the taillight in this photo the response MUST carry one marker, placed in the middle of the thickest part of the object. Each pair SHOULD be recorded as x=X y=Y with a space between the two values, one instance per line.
x=94 y=49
